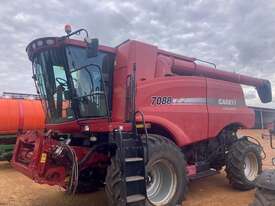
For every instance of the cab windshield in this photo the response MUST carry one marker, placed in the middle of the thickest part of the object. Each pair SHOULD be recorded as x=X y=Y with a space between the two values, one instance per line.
x=73 y=85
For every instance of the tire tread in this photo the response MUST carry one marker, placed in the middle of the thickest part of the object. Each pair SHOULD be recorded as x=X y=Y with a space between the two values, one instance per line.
x=234 y=164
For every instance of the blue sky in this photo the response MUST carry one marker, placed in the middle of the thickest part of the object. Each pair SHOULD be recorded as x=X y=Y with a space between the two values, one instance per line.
x=237 y=35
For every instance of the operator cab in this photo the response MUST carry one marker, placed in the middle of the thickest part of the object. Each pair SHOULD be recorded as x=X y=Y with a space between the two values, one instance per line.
x=73 y=77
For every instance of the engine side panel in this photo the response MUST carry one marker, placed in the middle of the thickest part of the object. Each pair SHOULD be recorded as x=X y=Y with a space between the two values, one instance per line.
x=192 y=108
x=226 y=105
x=178 y=104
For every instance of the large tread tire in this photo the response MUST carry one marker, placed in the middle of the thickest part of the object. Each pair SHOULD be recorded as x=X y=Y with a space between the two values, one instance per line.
x=113 y=182
x=235 y=164
x=264 y=198
x=159 y=148
x=162 y=148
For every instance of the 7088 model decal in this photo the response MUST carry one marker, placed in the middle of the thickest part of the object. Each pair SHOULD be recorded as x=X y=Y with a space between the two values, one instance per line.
x=159 y=100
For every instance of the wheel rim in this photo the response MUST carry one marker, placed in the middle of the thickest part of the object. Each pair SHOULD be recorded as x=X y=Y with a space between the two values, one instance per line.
x=251 y=166
x=162 y=182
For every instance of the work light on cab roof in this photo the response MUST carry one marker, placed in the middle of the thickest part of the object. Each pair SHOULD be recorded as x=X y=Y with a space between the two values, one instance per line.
x=68 y=29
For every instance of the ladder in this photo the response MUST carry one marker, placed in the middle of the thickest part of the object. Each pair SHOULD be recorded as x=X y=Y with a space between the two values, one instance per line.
x=132 y=169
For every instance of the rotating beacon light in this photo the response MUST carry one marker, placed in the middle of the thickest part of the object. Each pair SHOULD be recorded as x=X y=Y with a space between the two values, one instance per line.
x=68 y=29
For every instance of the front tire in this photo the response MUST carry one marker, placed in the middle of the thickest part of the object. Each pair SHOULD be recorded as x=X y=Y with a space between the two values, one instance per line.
x=113 y=182
x=167 y=177
x=243 y=164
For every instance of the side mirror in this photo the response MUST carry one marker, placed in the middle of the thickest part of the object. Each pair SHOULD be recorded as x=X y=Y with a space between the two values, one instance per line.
x=92 y=48
x=273 y=161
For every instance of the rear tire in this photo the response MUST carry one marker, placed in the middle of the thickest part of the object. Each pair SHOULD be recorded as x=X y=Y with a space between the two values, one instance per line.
x=243 y=164
x=167 y=177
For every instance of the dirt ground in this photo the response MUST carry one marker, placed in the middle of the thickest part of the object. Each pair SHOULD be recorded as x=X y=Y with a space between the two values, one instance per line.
x=18 y=190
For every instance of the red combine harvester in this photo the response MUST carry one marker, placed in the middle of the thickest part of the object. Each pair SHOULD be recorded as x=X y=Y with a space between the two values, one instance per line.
x=136 y=119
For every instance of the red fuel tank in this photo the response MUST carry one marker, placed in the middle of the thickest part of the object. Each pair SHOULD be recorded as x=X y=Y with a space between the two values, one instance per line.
x=20 y=114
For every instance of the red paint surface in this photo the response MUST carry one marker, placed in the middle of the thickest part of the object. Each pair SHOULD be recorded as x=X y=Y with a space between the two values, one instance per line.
x=191 y=170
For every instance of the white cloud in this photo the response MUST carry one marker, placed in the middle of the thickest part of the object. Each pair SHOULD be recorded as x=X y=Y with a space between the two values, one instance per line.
x=236 y=35
x=22 y=18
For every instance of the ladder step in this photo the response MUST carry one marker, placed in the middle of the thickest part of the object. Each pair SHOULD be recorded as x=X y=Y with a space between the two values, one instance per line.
x=133 y=159
x=135 y=198
x=134 y=178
